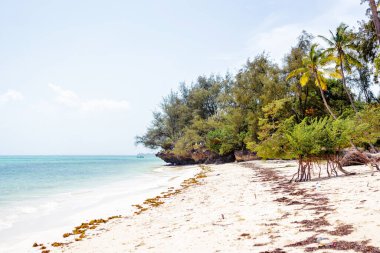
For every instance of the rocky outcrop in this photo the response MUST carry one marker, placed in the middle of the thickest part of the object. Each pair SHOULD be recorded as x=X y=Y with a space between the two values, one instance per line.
x=245 y=155
x=195 y=157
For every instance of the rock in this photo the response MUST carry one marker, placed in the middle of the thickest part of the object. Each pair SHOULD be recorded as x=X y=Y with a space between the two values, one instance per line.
x=170 y=157
x=245 y=155
x=195 y=157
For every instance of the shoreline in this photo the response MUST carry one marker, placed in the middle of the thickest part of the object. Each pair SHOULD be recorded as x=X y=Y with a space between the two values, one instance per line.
x=250 y=207
x=113 y=199
x=91 y=228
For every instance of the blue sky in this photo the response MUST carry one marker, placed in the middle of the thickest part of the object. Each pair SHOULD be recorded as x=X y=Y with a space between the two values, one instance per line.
x=83 y=77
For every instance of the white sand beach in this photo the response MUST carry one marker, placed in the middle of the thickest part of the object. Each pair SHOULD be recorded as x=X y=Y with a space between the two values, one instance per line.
x=247 y=207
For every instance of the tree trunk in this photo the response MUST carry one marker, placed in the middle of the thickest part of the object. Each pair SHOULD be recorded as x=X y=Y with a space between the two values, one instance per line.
x=306 y=96
x=345 y=86
x=375 y=17
x=352 y=103
x=325 y=102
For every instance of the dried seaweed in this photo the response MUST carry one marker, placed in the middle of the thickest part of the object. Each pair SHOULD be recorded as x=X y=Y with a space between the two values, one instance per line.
x=278 y=250
x=342 y=230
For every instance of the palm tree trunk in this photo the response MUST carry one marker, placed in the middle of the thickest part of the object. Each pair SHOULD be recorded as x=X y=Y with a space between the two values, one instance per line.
x=345 y=86
x=375 y=17
x=352 y=102
x=325 y=102
x=330 y=111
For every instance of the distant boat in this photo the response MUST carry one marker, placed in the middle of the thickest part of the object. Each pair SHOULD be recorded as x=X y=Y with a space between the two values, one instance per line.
x=140 y=156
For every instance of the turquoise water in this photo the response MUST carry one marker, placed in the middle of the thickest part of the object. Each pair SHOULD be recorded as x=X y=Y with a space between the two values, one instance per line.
x=42 y=197
x=28 y=177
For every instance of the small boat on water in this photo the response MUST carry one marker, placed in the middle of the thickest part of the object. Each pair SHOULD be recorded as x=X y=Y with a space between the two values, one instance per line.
x=140 y=156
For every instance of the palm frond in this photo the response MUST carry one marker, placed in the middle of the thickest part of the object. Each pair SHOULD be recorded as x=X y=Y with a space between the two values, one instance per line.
x=305 y=78
x=352 y=60
x=296 y=72
x=329 y=42
x=329 y=59
x=321 y=81
x=351 y=46
x=335 y=74
x=334 y=37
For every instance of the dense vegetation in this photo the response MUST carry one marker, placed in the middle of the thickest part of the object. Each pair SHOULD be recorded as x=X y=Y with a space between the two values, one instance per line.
x=314 y=105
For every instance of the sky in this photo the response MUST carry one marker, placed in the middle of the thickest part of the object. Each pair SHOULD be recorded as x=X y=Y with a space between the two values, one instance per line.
x=83 y=77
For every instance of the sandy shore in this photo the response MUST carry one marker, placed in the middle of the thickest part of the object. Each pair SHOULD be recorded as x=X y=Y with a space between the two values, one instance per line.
x=249 y=207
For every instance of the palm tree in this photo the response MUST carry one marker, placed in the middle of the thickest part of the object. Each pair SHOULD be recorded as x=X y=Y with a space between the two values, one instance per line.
x=339 y=48
x=314 y=67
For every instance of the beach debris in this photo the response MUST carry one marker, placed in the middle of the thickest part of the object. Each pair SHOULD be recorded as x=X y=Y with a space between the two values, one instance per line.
x=307 y=241
x=312 y=225
x=154 y=202
x=282 y=199
x=80 y=231
x=345 y=246
x=260 y=245
x=244 y=236
x=342 y=230
x=140 y=209
x=67 y=235
x=157 y=201
x=320 y=205
x=57 y=244
x=278 y=250
x=221 y=224
x=322 y=241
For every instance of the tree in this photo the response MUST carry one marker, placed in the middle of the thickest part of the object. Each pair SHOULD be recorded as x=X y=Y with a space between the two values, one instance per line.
x=375 y=17
x=293 y=60
x=339 y=48
x=315 y=139
x=258 y=83
x=367 y=47
x=313 y=67
x=274 y=125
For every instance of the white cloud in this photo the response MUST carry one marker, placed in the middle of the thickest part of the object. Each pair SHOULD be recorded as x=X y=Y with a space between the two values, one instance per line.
x=11 y=95
x=277 y=40
x=71 y=99
x=66 y=97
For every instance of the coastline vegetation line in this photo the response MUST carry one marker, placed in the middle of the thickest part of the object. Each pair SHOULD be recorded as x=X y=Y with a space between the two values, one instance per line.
x=315 y=106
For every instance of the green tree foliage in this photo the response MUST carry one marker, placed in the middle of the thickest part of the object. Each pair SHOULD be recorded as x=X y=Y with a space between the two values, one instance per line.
x=320 y=136
x=258 y=83
x=341 y=49
x=314 y=67
x=366 y=127
x=279 y=111
x=277 y=120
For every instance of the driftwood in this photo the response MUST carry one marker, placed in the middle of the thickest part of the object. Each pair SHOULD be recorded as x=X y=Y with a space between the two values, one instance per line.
x=356 y=157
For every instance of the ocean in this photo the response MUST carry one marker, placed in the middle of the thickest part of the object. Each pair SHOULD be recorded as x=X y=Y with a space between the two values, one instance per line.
x=42 y=197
